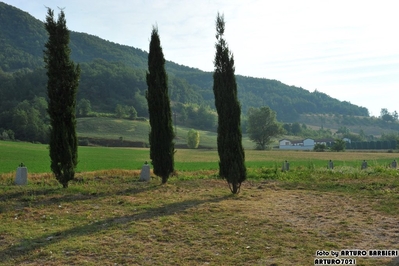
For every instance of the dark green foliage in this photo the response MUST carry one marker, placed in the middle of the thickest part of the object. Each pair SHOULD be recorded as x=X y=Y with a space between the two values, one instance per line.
x=193 y=139
x=229 y=139
x=84 y=107
x=124 y=111
x=192 y=115
x=131 y=111
x=371 y=145
x=343 y=130
x=162 y=147
x=338 y=145
x=6 y=134
x=319 y=147
x=107 y=84
x=29 y=120
x=296 y=128
x=387 y=116
x=62 y=85
x=19 y=35
x=263 y=126
x=206 y=118
x=120 y=111
x=392 y=137
x=306 y=132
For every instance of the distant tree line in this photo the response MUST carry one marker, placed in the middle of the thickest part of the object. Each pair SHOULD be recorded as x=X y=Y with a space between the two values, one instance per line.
x=372 y=145
x=28 y=121
x=296 y=129
x=193 y=115
x=105 y=85
x=387 y=116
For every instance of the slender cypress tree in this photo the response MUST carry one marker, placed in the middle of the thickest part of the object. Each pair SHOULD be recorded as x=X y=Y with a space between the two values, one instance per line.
x=229 y=139
x=162 y=147
x=62 y=85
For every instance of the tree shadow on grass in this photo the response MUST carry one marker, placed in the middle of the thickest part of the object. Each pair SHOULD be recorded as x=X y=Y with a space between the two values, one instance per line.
x=31 y=197
x=26 y=246
x=15 y=195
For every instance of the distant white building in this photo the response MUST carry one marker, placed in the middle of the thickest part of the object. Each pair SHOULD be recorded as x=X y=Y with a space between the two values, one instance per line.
x=346 y=140
x=306 y=144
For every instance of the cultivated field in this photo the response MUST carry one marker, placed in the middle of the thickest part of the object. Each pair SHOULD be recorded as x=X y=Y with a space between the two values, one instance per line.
x=107 y=217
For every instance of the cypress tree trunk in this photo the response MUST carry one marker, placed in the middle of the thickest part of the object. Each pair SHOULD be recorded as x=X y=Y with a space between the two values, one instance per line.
x=62 y=85
x=229 y=140
x=162 y=147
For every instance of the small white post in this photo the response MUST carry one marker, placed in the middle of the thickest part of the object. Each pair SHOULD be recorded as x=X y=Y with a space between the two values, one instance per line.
x=330 y=165
x=145 y=172
x=21 y=177
x=286 y=166
x=364 y=165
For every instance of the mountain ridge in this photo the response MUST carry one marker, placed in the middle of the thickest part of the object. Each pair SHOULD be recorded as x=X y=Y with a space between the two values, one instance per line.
x=24 y=37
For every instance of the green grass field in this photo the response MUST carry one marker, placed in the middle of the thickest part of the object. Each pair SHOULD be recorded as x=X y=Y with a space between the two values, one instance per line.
x=36 y=158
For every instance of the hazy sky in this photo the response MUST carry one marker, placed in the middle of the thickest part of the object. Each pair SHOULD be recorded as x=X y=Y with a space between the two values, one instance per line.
x=346 y=49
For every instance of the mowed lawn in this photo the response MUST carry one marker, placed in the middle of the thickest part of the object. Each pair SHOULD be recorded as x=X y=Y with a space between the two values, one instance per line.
x=36 y=157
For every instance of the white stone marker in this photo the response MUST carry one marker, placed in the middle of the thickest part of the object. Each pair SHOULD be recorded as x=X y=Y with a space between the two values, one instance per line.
x=330 y=165
x=145 y=172
x=22 y=175
x=286 y=166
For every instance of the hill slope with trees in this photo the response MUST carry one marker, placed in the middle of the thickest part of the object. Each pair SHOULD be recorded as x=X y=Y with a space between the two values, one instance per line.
x=23 y=39
x=114 y=74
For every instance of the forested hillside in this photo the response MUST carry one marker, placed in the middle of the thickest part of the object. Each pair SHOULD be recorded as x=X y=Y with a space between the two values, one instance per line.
x=119 y=71
x=114 y=75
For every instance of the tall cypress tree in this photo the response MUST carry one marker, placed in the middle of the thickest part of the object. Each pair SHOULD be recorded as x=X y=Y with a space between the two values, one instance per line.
x=162 y=147
x=62 y=85
x=229 y=139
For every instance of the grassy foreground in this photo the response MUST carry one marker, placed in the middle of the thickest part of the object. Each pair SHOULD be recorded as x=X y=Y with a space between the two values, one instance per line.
x=279 y=218
x=112 y=219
